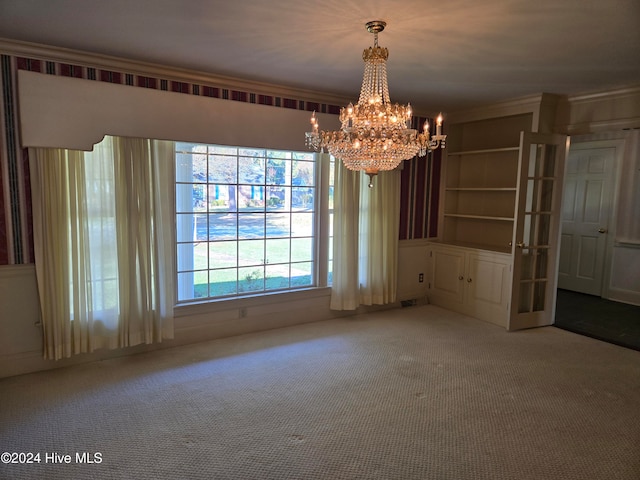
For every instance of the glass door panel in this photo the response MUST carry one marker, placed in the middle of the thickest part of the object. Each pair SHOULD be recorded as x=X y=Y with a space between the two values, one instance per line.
x=537 y=228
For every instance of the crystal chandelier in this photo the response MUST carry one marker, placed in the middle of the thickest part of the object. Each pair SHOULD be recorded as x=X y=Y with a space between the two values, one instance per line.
x=376 y=135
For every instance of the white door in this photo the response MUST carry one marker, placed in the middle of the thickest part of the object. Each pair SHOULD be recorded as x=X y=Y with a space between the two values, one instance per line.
x=586 y=207
x=537 y=233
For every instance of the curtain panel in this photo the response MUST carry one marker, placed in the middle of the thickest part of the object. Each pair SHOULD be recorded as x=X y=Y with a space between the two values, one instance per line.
x=104 y=244
x=365 y=245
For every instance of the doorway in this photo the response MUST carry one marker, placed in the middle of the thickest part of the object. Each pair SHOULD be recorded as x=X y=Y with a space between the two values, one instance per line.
x=586 y=215
x=585 y=248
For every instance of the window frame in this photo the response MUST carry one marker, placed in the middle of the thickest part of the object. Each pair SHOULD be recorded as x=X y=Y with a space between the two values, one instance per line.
x=319 y=235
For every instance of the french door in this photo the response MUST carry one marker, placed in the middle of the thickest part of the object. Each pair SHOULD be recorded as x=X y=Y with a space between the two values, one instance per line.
x=536 y=236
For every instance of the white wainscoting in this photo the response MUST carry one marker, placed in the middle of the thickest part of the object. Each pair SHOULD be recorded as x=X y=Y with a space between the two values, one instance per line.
x=412 y=261
x=20 y=329
x=625 y=274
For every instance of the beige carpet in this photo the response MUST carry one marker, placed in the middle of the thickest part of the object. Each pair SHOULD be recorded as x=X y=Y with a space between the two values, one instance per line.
x=413 y=393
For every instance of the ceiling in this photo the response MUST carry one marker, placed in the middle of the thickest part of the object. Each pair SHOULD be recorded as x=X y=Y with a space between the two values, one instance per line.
x=443 y=56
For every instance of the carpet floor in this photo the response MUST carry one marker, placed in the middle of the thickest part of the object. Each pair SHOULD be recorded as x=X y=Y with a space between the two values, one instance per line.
x=412 y=393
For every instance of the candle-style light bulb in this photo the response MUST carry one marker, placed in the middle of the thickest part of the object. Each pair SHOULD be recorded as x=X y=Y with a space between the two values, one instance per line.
x=439 y=125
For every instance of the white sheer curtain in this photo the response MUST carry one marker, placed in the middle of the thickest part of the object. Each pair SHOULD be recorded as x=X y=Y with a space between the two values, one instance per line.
x=346 y=201
x=379 y=231
x=365 y=233
x=104 y=244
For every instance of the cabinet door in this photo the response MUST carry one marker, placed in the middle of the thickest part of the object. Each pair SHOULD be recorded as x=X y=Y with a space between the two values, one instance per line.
x=488 y=280
x=537 y=233
x=447 y=274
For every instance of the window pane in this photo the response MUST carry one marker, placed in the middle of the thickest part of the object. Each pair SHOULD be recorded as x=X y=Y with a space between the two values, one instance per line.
x=192 y=256
x=191 y=198
x=252 y=152
x=302 y=173
x=223 y=226
x=301 y=249
x=302 y=224
x=199 y=227
x=277 y=171
x=190 y=147
x=223 y=169
x=184 y=256
x=200 y=281
x=251 y=252
x=302 y=198
x=250 y=279
x=192 y=285
x=219 y=149
x=278 y=154
x=250 y=225
x=184 y=197
x=251 y=197
x=278 y=198
x=276 y=277
x=223 y=254
x=223 y=282
x=277 y=250
x=196 y=163
x=303 y=156
x=222 y=198
x=278 y=224
x=251 y=170
x=185 y=286
x=301 y=274
x=185 y=224
x=184 y=168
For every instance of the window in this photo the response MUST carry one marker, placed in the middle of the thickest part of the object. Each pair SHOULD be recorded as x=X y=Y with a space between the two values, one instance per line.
x=246 y=221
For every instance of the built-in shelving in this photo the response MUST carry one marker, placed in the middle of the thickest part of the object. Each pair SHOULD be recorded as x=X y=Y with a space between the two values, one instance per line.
x=478 y=264
x=480 y=184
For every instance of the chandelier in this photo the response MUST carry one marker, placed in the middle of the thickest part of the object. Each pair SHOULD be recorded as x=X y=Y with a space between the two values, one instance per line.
x=376 y=135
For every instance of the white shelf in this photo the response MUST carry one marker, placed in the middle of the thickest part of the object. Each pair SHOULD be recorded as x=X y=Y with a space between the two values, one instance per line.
x=486 y=150
x=481 y=189
x=479 y=217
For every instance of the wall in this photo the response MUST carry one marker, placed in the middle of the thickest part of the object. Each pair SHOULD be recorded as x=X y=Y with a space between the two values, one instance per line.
x=20 y=334
x=622 y=262
x=62 y=76
x=603 y=117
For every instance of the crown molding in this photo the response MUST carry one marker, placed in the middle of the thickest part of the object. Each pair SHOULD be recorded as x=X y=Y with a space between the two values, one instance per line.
x=596 y=96
x=516 y=106
x=94 y=60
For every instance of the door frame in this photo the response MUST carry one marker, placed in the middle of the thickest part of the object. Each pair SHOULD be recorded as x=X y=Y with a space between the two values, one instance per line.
x=618 y=145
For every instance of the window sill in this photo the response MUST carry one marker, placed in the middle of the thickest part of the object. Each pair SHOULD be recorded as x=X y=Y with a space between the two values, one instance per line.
x=213 y=306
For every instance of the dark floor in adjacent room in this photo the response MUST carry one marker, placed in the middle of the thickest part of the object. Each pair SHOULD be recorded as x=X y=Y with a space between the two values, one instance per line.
x=612 y=322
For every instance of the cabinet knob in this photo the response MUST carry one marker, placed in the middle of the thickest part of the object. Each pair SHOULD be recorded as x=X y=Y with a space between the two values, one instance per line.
x=520 y=245
x=460 y=277
x=602 y=230
x=468 y=280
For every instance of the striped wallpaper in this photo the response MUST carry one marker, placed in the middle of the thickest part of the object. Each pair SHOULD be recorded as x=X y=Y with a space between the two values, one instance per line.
x=16 y=242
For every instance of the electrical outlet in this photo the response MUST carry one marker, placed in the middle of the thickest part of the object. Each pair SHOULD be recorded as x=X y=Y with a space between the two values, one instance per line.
x=421 y=277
